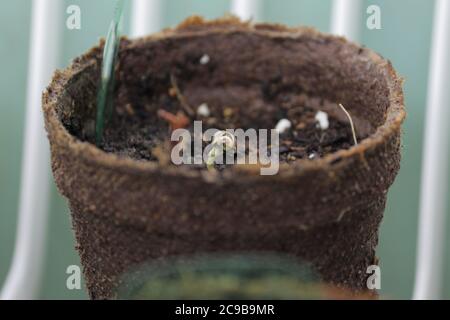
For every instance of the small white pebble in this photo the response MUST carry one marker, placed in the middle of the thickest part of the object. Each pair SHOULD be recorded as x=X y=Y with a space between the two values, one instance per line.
x=322 y=120
x=312 y=156
x=203 y=110
x=205 y=59
x=283 y=125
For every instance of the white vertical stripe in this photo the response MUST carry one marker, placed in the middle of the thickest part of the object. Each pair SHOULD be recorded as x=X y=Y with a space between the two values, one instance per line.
x=434 y=187
x=247 y=9
x=25 y=274
x=346 y=18
x=146 y=17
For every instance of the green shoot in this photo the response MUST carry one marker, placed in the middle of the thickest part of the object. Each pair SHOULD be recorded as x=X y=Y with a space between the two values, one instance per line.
x=106 y=91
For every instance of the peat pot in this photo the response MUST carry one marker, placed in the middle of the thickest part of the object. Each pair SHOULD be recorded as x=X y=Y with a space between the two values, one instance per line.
x=130 y=204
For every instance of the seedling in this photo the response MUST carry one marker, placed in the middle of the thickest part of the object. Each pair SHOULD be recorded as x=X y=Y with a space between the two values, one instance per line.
x=106 y=92
x=222 y=141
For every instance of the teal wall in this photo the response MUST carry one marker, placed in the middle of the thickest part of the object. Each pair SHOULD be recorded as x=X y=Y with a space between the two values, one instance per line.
x=404 y=39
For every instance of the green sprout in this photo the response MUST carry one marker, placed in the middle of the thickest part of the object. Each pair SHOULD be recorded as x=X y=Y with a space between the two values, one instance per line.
x=110 y=54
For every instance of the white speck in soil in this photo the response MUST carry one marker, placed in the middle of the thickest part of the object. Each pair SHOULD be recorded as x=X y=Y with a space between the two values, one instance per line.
x=322 y=120
x=312 y=156
x=205 y=59
x=203 y=110
x=283 y=125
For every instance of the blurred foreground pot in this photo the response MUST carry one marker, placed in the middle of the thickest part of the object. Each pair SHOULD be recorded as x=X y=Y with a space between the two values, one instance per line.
x=325 y=211
x=232 y=277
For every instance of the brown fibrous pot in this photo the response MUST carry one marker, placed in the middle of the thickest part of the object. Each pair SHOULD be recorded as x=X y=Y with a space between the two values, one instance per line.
x=326 y=211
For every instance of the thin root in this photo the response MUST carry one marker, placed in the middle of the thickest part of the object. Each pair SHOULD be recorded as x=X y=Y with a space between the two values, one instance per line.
x=342 y=214
x=181 y=97
x=355 y=140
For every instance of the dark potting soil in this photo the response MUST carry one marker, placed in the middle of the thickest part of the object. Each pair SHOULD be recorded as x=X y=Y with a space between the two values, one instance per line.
x=133 y=131
x=145 y=85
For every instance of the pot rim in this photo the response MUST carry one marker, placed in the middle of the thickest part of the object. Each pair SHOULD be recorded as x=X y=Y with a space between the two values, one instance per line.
x=395 y=113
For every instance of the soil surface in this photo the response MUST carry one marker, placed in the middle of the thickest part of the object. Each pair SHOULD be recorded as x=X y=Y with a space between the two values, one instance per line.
x=142 y=135
x=239 y=95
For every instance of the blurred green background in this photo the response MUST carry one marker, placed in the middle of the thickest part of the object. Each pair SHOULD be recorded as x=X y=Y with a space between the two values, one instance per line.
x=404 y=39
